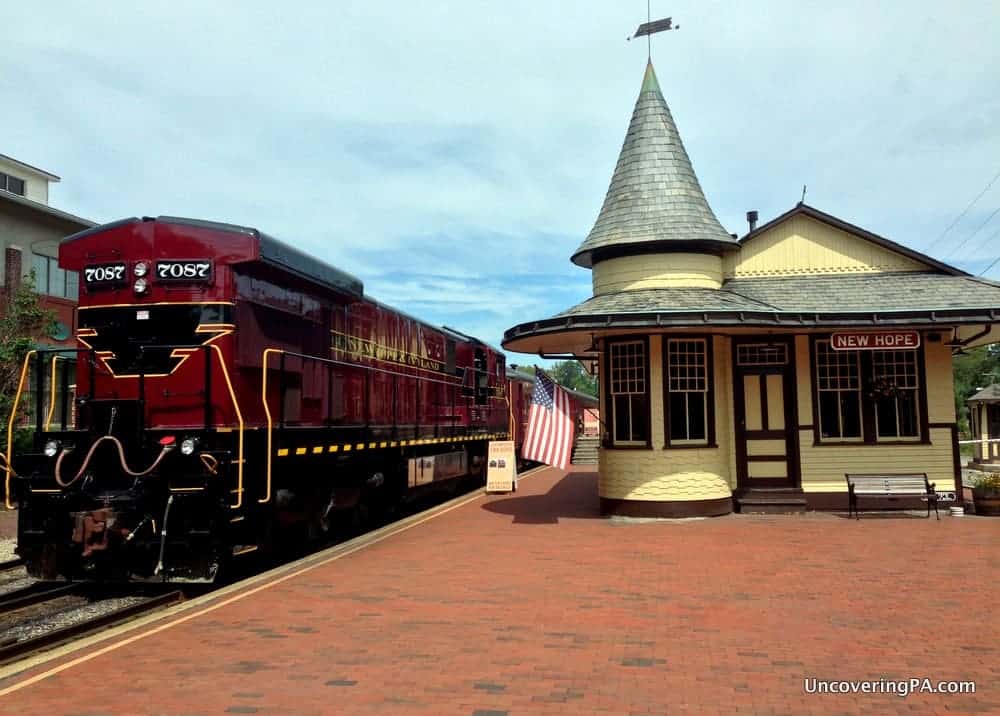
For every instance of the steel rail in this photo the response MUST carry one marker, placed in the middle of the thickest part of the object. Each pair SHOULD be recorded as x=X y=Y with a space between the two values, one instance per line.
x=20 y=649
x=34 y=594
x=11 y=564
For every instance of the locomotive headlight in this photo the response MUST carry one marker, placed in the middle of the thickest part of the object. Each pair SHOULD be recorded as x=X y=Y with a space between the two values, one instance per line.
x=141 y=269
x=188 y=446
x=140 y=285
x=51 y=448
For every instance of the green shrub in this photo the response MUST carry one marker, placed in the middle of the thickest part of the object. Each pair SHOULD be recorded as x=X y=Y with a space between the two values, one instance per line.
x=988 y=481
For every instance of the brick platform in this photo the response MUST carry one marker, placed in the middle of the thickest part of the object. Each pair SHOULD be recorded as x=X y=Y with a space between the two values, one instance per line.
x=531 y=604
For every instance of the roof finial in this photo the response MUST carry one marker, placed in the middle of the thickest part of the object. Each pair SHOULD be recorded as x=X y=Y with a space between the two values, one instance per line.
x=650 y=28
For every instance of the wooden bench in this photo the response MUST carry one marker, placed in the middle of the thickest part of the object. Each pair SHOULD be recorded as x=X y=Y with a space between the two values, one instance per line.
x=914 y=485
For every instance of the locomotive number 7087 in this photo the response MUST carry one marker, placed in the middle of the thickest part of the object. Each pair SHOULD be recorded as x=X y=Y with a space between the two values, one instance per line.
x=106 y=273
x=183 y=270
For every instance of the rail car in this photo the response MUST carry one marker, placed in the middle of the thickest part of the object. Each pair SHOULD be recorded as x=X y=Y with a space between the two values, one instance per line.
x=228 y=387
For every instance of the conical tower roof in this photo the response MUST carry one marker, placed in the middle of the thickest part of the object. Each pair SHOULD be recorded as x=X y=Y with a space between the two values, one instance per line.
x=654 y=199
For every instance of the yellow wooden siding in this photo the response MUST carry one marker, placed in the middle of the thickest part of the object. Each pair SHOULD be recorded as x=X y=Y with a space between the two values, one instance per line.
x=681 y=474
x=804 y=377
x=824 y=466
x=802 y=245
x=940 y=383
x=629 y=273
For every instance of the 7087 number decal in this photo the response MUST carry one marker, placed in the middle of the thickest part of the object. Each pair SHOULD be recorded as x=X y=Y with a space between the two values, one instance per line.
x=183 y=270
x=104 y=273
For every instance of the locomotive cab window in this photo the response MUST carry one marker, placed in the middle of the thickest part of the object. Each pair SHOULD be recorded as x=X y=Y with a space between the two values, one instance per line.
x=481 y=377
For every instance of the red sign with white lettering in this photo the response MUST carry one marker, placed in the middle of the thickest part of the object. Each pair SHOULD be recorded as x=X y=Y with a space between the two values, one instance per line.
x=874 y=341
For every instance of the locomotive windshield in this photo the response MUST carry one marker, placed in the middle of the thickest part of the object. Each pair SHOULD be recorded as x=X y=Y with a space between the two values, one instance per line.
x=144 y=338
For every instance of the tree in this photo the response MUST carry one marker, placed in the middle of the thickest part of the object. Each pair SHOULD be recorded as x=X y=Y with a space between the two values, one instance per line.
x=973 y=371
x=570 y=374
x=23 y=321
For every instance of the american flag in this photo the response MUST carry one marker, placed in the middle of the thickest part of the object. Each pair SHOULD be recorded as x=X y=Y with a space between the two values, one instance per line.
x=550 y=426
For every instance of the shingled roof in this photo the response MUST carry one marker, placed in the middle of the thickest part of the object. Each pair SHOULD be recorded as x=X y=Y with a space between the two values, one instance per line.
x=990 y=393
x=861 y=300
x=654 y=199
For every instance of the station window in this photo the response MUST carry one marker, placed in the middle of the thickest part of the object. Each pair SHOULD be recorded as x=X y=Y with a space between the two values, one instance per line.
x=629 y=393
x=689 y=407
x=52 y=280
x=894 y=393
x=11 y=184
x=838 y=388
x=867 y=395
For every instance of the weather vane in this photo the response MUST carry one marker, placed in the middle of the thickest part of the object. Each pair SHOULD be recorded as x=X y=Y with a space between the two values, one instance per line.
x=650 y=28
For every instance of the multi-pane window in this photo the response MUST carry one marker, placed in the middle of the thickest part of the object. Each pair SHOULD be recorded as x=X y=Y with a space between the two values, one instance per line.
x=867 y=395
x=838 y=387
x=761 y=354
x=894 y=392
x=11 y=184
x=52 y=280
x=687 y=381
x=629 y=395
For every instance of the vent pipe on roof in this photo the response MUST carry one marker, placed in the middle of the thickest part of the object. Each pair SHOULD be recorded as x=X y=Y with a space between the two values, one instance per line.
x=752 y=219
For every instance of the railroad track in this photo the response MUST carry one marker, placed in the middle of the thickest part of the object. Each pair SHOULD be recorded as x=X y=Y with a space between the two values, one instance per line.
x=34 y=594
x=15 y=650
x=11 y=564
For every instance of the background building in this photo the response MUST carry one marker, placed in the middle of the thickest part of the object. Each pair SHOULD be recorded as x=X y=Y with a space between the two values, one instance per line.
x=30 y=232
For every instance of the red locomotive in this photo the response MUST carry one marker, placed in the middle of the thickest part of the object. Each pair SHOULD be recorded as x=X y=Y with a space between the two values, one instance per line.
x=228 y=384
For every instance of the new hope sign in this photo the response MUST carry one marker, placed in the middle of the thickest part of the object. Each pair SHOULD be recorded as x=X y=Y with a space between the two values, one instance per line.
x=880 y=341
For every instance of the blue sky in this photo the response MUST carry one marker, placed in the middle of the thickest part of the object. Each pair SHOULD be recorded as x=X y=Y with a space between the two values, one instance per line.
x=454 y=154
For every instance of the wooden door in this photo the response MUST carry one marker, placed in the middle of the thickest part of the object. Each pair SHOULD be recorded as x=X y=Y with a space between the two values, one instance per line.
x=764 y=393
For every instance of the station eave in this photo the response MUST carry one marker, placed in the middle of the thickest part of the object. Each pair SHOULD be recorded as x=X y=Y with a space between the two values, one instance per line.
x=534 y=336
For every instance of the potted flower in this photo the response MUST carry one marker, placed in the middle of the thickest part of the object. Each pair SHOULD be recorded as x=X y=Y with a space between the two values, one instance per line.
x=986 y=494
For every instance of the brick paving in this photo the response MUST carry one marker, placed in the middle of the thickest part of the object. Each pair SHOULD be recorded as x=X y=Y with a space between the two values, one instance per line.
x=531 y=604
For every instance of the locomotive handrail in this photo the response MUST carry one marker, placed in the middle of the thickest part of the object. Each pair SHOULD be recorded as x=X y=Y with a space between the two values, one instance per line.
x=64 y=388
x=52 y=392
x=10 y=429
x=239 y=417
x=270 y=422
x=39 y=352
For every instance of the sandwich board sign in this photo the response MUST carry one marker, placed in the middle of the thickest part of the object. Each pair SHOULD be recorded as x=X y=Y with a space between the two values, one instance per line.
x=501 y=467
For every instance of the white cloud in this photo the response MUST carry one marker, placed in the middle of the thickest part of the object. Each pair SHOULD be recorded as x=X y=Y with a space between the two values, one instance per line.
x=469 y=144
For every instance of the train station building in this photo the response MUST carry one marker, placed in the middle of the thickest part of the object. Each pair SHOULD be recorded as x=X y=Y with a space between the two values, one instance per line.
x=755 y=373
